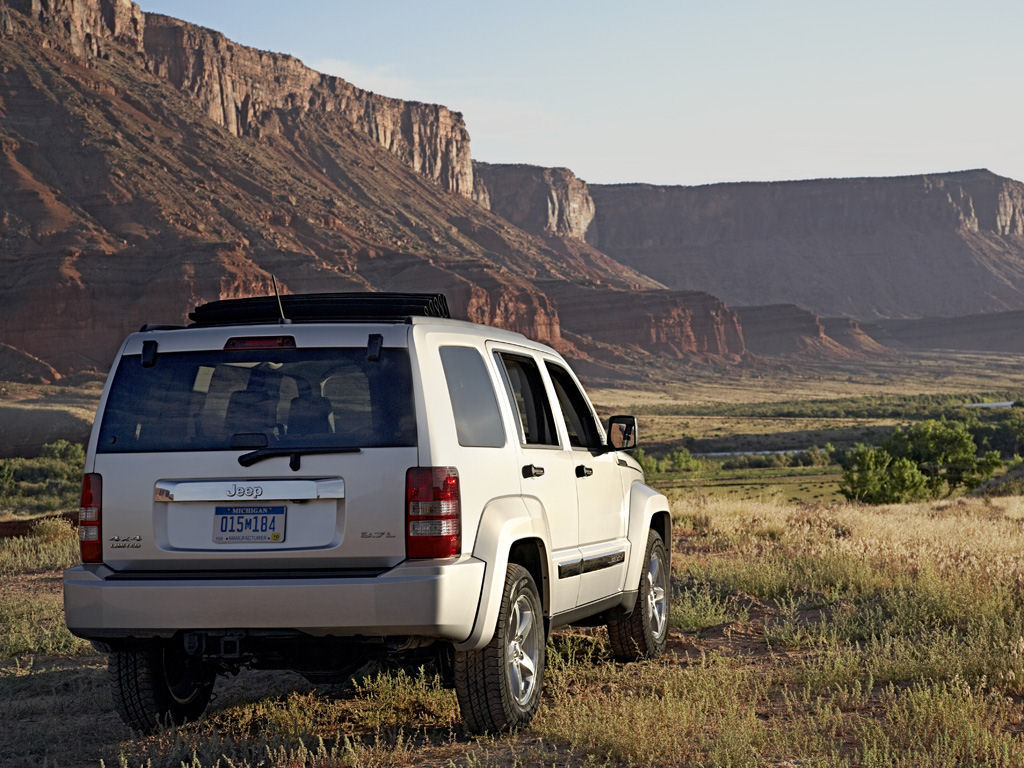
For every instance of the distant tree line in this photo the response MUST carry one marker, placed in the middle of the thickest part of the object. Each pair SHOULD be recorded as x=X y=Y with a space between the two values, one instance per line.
x=927 y=460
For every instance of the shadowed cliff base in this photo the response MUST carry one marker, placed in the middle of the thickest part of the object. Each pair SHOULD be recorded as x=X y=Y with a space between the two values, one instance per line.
x=993 y=332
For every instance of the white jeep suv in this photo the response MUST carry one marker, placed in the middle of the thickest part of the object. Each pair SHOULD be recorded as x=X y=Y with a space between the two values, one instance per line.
x=313 y=482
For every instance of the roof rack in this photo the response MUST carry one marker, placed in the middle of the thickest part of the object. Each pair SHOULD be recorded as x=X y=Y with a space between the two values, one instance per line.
x=321 y=308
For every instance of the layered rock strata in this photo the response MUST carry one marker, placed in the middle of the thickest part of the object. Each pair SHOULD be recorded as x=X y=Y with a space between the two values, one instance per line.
x=122 y=202
x=544 y=201
x=255 y=93
x=683 y=324
x=948 y=243
x=991 y=332
x=851 y=335
x=786 y=329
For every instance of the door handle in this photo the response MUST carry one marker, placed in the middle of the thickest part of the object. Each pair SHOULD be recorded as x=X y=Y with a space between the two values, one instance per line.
x=532 y=470
x=583 y=471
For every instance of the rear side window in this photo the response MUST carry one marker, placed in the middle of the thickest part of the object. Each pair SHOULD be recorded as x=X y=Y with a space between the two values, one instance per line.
x=477 y=419
x=219 y=399
x=529 y=400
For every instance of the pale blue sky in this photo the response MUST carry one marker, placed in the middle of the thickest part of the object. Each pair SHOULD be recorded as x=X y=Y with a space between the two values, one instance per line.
x=679 y=92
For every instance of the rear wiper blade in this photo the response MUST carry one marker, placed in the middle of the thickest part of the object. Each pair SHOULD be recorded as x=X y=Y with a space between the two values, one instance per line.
x=248 y=459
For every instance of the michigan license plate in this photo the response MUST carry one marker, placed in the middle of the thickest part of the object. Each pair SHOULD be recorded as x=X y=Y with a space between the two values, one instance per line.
x=249 y=525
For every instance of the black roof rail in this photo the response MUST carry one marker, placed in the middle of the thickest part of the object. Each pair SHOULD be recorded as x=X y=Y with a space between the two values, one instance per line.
x=321 y=308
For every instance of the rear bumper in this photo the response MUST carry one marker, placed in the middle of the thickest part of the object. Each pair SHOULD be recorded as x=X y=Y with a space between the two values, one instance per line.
x=429 y=599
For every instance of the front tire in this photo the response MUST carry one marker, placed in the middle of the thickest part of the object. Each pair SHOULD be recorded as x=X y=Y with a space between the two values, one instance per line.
x=156 y=686
x=642 y=633
x=499 y=686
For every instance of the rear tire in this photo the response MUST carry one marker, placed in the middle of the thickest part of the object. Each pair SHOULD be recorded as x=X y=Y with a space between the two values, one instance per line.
x=499 y=686
x=155 y=686
x=642 y=633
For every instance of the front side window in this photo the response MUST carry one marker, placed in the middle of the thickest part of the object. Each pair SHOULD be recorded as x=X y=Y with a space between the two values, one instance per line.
x=579 y=419
x=529 y=400
x=228 y=399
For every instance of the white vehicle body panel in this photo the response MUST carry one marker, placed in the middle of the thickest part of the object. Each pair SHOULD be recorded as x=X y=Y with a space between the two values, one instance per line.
x=346 y=512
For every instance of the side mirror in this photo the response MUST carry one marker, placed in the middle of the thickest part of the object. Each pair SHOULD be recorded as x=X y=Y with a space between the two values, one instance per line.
x=622 y=433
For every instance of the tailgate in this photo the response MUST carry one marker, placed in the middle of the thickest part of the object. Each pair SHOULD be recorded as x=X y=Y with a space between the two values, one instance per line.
x=340 y=511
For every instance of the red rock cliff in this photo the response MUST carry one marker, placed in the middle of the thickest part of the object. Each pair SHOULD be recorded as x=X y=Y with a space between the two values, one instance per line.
x=247 y=90
x=252 y=92
x=947 y=243
x=84 y=25
x=544 y=201
x=673 y=323
x=786 y=329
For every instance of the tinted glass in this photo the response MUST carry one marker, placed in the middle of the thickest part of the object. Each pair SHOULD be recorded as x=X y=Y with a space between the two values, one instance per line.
x=526 y=390
x=579 y=420
x=203 y=401
x=477 y=420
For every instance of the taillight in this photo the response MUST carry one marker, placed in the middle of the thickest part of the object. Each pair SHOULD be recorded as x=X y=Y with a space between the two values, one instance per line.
x=433 y=513
x=90 y=513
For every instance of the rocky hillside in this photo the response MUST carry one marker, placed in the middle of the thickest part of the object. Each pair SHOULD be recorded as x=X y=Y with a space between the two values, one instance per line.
x=149 y=164
x=991 y=332
x=786 y=329
x=942 y=244
x=545 y=201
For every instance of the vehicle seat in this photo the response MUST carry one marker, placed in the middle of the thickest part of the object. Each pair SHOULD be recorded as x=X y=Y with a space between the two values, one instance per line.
x=309 y=414
x=251 y=410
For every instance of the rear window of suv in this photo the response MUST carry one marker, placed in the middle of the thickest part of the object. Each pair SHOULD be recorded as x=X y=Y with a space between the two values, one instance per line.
x=223 y=399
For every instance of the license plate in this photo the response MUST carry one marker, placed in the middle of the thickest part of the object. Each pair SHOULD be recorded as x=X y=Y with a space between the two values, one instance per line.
x=249 y=525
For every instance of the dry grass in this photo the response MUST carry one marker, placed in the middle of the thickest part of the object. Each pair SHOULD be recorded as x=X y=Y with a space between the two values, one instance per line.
x=824 y=635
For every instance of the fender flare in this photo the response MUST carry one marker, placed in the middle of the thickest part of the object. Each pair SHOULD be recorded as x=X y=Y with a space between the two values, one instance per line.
x=504 y=521
x=644 y=504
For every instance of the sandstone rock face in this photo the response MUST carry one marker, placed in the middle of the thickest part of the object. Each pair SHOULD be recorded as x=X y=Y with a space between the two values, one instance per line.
x=251 y=92
x=16 y=365
x=544 y=201
x=84 y=25
x=948 y=243
x=121 y=202
x=851 y=335
x=786 y=329
x=672 y=323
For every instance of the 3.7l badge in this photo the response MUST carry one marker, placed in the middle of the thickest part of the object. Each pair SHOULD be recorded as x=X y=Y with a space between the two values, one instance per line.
x=126 y=542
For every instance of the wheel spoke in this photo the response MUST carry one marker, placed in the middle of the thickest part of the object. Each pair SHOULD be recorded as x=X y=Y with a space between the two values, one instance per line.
x=525 y=624
x=657 y=597
x=516 y=679
x=528 y=666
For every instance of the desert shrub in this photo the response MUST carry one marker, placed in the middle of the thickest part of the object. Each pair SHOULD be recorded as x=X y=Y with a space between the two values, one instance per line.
x=873 y=476
x=681 y=460
x=6 y=477
x=945 y=453
x=45 y=483
x=64 y=451
x=926 y=460
x=811 y=457
x=649 y=464
x=52 y=544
